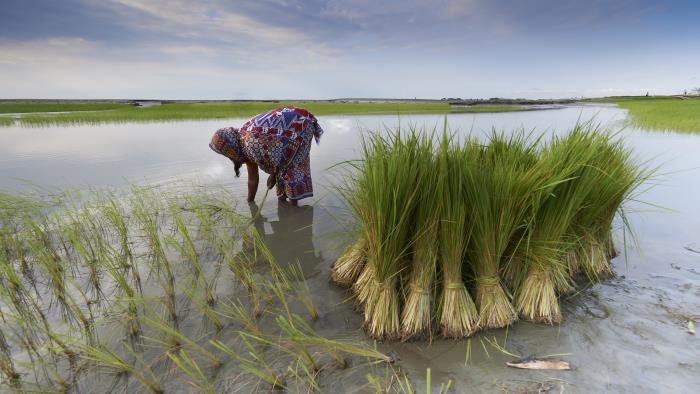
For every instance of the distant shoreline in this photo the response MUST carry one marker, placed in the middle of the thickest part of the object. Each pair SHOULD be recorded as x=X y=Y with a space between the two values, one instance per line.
x=679 y=113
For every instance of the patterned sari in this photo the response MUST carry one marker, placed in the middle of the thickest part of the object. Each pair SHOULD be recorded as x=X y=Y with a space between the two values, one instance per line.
x=279 y=142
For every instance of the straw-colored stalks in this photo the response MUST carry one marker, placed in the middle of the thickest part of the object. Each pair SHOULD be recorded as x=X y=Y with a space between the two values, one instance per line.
x=416 y=320
x=363 y=286
x=495 y=309
x=591 y=257
x=349 y=265
x=537 y=300
x=382 y=311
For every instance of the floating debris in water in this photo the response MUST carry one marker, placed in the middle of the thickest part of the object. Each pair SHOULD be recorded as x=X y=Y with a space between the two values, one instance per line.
x=540 y=363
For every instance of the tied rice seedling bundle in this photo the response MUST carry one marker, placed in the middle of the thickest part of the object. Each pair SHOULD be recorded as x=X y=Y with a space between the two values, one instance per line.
x=500 y=187
x=458 y=315
x=548 y=238
x=347 y=268
x=513 y=220
x=418 y=310
x=384 y=198
x=617 y=178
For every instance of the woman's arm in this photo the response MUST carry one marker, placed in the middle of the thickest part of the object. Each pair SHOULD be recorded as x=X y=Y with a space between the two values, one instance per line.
x=253 y=179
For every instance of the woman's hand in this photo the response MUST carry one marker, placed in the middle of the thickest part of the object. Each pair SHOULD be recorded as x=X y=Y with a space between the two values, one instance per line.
x=271 y=180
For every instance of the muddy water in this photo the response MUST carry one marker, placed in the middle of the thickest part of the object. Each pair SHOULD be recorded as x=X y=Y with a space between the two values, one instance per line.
x=627 y=334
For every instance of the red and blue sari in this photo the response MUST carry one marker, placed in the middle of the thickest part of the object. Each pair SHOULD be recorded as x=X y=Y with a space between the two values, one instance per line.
x=279 y=142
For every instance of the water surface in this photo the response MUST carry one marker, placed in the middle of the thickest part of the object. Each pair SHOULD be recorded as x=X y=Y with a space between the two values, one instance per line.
x=627 y=334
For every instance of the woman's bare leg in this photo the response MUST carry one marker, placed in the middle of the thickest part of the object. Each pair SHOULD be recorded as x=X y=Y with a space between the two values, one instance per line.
x=253 y=179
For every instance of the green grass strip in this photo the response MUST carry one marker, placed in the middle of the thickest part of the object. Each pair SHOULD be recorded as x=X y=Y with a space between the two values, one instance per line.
x=661 y=113
x=123 y=113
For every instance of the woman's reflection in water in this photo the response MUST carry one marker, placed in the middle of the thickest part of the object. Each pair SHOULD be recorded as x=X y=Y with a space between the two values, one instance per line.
x=291 y=238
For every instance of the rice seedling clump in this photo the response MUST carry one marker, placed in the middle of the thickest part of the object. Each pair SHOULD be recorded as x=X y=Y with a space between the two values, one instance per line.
x=461 y=235
x=153 y=290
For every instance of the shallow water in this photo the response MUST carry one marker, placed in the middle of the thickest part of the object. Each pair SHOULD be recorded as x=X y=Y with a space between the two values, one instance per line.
x=627 y=334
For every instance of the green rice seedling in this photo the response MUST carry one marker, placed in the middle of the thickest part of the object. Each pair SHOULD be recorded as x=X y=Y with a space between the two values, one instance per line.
x=385 y=200
x=121 y=367
x=309 y=380
x=132 y=323
x=245 y=275
x=116 y=217
x=293 y=280
x=53 y=338
x=86 y=321
x=7 y=365
x=301 y=349
x=417 y=316
x=175 y=339
x=234 y=310
x=50 y=263
x=499 y=186
x=13 y=288
x=187 y=249
x=146 y=217
x=256 y=251
x=348 y=266
x=191 y=290
x=548 y=237
x=298 y=330
x=190 y=368
x=82 y=242
x=22 y=308
x=457 y=313
x=254 y=363
x=279 y=288
x=13 y=246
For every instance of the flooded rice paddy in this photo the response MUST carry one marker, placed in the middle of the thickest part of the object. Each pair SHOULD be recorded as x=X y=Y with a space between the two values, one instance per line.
x=627 y=334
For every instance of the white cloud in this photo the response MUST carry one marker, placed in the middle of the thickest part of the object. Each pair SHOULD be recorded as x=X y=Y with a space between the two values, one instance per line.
x=221 y=28
x=43 y=51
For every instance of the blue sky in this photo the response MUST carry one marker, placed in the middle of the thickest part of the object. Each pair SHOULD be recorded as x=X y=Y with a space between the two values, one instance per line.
x=180 y=49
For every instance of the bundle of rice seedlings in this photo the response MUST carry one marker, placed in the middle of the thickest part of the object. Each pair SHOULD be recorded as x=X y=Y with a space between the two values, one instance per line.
x=617 y=177
x=347 y=268
x=383 y=200
x=458 y=315
x=418 y=309
x=500 y=187
x=544 y=268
